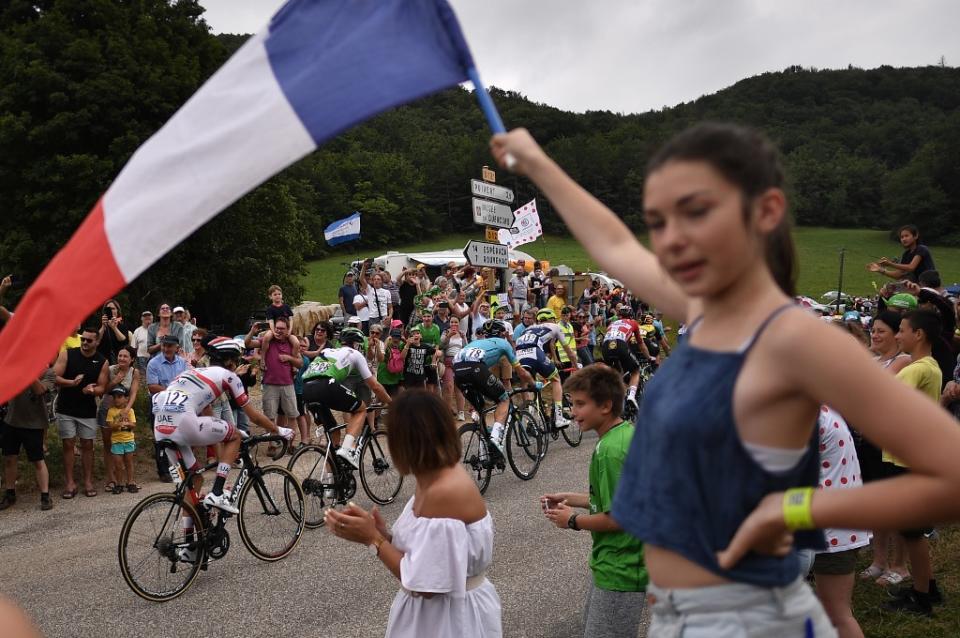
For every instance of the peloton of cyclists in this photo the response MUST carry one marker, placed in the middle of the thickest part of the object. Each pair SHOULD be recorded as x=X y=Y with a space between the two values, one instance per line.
x=471 y=374
x=182 y=414
x=324 y=385
x=535 y=350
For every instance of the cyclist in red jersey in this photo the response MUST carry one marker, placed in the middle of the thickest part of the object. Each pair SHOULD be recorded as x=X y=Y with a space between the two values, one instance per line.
x=623 y=336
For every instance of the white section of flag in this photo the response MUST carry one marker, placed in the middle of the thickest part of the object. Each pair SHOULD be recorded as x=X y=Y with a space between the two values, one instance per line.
x=214 y=150
x=526 y=226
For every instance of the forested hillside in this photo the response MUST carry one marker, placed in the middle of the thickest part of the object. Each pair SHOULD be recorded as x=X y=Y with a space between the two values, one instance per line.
x=82 y=84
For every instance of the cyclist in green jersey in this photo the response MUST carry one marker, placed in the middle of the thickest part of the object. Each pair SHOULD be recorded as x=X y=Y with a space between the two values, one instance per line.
x=324 y=385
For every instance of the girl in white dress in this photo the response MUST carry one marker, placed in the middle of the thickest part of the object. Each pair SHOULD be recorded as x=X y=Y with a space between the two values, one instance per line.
x=442 y=543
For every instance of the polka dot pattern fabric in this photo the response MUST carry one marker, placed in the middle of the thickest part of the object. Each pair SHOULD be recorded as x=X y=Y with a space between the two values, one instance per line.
x=839 y=469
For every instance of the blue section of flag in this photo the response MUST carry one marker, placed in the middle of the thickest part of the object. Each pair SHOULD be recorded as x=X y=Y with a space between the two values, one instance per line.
x=343 y=230
x=340 y=62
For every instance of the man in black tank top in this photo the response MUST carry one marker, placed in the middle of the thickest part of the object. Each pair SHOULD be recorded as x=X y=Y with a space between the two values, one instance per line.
x=82 y=374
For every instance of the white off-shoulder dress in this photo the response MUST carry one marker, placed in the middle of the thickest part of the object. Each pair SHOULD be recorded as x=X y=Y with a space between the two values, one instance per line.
x=439 y=555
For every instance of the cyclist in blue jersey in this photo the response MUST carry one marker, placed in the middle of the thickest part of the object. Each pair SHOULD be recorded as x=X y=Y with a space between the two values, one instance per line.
x=471 y=374
x=535 y=350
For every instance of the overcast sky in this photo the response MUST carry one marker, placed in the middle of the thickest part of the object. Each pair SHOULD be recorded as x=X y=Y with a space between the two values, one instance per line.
x=635 y=55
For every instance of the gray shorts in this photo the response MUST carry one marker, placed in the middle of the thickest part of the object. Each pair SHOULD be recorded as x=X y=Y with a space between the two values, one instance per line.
x=612 y=614
x=279 y=396
x=738 y=610
x=71 y=427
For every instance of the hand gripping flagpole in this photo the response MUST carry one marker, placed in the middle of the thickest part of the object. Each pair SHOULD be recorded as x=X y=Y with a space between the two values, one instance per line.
x=489 y=110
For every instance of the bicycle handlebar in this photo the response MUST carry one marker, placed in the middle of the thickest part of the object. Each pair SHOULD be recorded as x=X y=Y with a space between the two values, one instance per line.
x=249 y=441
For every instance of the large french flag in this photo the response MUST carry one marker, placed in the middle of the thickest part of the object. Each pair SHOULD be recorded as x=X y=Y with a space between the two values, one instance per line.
x=318 y=68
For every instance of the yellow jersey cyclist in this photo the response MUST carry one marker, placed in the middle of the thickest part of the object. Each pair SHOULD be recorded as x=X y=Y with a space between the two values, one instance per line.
x=323 y=384
x=471 y=374
x=182 y=414
x=533 y=346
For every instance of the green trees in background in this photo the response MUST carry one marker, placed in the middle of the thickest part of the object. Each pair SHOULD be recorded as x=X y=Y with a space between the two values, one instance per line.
x=84 y=82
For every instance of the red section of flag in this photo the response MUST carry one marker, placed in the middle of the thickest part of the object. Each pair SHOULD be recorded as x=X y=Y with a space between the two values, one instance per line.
x=81 y=276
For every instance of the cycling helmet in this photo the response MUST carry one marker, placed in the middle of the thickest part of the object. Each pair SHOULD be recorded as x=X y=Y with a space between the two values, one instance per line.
x=221 y=349
x=625 y=312
x=494 y=328
x=546 y=314
x=350 y=336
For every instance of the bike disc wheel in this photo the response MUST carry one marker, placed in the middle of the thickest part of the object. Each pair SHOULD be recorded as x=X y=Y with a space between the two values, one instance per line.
x=271 y=513
x=378 y=475
x=150 y=540
x=476 y=455
x=307 y=468
x=524 y=446
x=572 y=434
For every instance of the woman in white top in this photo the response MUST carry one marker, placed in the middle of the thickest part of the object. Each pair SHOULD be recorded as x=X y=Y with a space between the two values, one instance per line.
x=451 y=342
x=442 y=543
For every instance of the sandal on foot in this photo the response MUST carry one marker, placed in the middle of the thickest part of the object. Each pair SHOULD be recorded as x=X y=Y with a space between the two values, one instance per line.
x=890 y=578
x=109 y=486
x=133 y=488
x=872 y=573
x=117 y=489
x=68 y=494
x=89 y=493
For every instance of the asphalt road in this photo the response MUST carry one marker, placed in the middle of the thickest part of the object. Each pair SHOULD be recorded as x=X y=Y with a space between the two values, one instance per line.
x=61 y=566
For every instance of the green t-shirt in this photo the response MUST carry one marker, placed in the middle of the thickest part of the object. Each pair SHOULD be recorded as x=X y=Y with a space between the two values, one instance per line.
x=384 y=376
x=430 y=336
x=617 y=557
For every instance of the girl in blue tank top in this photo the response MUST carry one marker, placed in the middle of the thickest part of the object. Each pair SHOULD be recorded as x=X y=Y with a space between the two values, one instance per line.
x=719 y=480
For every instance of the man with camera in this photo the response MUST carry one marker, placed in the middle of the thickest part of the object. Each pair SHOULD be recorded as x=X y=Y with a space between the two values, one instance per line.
x=378 y=298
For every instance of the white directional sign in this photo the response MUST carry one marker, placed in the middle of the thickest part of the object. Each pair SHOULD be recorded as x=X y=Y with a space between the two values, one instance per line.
x=484 y=254
x=491 y=191
x=488 y=213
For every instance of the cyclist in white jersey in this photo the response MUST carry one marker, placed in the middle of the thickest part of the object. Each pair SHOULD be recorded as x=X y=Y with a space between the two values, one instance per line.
x=182 y=414
x=323 y=385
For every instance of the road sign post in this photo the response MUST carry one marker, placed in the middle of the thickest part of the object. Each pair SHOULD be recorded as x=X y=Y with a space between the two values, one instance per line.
x=488 y=213
x=491 y=191
x=482 y=254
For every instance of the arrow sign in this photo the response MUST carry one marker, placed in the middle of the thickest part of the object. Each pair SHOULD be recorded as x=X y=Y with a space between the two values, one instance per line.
x=484 y=254
x=492 y=214
x=491 y=191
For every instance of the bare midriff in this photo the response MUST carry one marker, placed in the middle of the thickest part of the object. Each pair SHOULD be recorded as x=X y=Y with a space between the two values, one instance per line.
x=670 y=570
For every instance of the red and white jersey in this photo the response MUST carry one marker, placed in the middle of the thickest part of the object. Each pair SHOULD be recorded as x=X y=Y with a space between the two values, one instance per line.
x=623 y=330
x=195 y=389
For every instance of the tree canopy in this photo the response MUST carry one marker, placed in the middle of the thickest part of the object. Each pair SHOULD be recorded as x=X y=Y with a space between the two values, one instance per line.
x=84 y=82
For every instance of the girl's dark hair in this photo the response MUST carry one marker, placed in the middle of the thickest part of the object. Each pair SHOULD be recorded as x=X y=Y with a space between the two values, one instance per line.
x=747 y=159
x=421 y=433
x=891 y=319
x=132 y=352
x=910 y=228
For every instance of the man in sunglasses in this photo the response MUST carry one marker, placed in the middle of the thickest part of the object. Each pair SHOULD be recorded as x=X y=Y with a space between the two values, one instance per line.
x=82 y=375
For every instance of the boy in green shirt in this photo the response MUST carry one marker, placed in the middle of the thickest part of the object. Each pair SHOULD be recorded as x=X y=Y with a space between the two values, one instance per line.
x=617 y=596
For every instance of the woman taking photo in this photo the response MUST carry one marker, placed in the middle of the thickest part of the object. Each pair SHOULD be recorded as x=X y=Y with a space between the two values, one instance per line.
x=442 y=543
x=722 y=523
x=451 y=343
x=113 y=332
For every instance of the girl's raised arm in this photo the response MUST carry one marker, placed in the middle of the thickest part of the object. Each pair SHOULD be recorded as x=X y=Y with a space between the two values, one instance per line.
x=608 y=240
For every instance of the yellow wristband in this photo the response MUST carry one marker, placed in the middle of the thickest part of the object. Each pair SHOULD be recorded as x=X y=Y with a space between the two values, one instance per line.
x=796 y=508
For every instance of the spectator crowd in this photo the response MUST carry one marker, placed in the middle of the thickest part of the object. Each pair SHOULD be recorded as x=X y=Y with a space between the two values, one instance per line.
x=415 y=325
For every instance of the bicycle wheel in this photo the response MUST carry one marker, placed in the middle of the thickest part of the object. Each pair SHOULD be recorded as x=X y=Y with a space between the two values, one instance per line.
x=476 y=455
x=572 y=434
x=268 y=526
x=524 y=445
x=151 y=538
x=379 y=476
x=307 y=468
